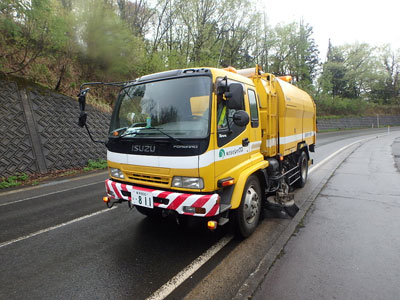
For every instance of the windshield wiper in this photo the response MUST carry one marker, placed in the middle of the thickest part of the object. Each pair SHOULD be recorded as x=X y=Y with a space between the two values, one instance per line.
x=126 y=133
x=164 y=133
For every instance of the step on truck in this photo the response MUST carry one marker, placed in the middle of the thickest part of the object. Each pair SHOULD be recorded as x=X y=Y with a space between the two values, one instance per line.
x=218 y=144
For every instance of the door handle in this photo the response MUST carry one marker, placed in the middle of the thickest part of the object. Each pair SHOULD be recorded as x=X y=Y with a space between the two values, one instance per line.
x=245 y=142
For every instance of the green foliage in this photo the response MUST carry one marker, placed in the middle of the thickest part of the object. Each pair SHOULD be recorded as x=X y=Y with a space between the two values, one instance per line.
x=292 y=51
x=30 y=29
x=337 y=106
x=13 y=181
x=360 y=71
x=95 y=164
x=110 y=48
x=62 y=43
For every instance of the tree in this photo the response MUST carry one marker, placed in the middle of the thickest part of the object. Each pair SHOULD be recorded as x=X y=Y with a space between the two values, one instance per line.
x=332 y=79
x=386 y=86
x=293 y=52
x=137 y=15
x=349 y=70
x=30 y=29
x=109 y=47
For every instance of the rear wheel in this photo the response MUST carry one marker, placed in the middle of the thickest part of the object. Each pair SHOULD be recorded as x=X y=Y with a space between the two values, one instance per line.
x=303 y=165
x=248 y=213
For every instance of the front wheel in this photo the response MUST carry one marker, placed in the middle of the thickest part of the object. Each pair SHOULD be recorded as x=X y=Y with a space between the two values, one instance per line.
x=249 y=211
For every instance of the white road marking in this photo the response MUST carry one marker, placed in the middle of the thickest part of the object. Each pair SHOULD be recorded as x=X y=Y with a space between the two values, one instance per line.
x=189 y=270
x=52 y=193
x=326 y=159
x=55 y=227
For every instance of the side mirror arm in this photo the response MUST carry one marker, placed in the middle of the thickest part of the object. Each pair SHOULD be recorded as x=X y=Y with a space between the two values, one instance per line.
x=82 y=99
x=83 y=115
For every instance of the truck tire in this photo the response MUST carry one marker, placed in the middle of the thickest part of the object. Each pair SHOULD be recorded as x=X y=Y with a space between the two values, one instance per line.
x=151 y=213
x=249 y=211
x=303 y=164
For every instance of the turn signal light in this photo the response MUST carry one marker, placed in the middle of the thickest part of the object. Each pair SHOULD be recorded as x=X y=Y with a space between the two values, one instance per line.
x=106 y=199
x=226 y=182
x=212 y=225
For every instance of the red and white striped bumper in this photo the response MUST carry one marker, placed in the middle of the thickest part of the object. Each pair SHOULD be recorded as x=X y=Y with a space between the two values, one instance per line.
x=168 y=200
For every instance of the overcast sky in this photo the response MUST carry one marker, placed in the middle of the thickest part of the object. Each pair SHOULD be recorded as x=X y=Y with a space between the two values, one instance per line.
x=343 y=21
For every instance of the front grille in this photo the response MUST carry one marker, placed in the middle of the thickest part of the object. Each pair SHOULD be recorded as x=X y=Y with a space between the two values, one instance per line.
x=148 y=178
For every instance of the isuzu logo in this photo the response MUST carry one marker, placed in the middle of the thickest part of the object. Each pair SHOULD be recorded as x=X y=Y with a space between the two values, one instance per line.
x=144 y=148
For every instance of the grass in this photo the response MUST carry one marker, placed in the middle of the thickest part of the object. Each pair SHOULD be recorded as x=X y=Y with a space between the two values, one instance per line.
x=95 y=165
x=35 y=179
x=14 y=180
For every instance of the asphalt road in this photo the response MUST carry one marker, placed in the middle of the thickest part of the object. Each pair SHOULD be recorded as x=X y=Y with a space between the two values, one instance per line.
x=348 y=246
x=57 y=241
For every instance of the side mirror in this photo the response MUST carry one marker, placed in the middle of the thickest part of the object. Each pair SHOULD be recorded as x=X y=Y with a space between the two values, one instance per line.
x=82 y=104
x=241 y=118
x=235 y=96
x=221 y=88
x=82 y=119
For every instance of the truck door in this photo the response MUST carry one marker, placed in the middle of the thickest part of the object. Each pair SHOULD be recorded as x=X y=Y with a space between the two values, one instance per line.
x=255 y=132
x=233 y=141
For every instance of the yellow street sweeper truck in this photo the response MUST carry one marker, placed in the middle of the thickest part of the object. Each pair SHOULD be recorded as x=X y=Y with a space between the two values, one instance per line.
x=217 y=144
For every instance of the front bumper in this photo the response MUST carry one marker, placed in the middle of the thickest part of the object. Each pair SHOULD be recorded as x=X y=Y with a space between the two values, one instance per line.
x=168 y=200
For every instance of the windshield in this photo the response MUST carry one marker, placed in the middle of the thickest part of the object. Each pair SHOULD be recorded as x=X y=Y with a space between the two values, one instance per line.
x=177 y=108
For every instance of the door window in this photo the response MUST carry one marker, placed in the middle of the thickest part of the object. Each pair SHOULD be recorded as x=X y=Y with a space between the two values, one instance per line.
x=227 y=130
x=253 y=108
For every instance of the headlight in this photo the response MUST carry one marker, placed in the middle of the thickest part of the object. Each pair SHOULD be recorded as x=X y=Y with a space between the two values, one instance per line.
x=114 y=172
x=188 y=182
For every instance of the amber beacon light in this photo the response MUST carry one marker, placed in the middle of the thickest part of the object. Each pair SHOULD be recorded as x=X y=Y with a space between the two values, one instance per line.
x=286 y=78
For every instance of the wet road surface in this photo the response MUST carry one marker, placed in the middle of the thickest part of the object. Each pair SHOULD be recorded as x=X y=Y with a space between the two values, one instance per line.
x=57 y=241
x=348 y=245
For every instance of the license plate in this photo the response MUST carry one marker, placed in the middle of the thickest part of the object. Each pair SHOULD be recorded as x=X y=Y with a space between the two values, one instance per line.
x=142 y=198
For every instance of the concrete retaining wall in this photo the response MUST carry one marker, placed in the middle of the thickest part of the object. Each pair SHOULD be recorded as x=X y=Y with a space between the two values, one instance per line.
x=39 y=131
x=361 y=122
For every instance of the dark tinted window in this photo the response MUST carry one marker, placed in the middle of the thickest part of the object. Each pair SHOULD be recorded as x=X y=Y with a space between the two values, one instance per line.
x=253 y=108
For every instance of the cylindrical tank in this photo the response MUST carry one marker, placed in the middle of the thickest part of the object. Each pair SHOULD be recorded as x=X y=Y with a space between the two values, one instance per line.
x=296 y=110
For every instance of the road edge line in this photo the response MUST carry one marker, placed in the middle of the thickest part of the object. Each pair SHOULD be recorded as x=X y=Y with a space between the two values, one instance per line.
x=250 y=285
x=326 y=159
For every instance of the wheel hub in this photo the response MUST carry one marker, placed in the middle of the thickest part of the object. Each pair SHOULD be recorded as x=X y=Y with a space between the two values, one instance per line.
x=251 y=205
